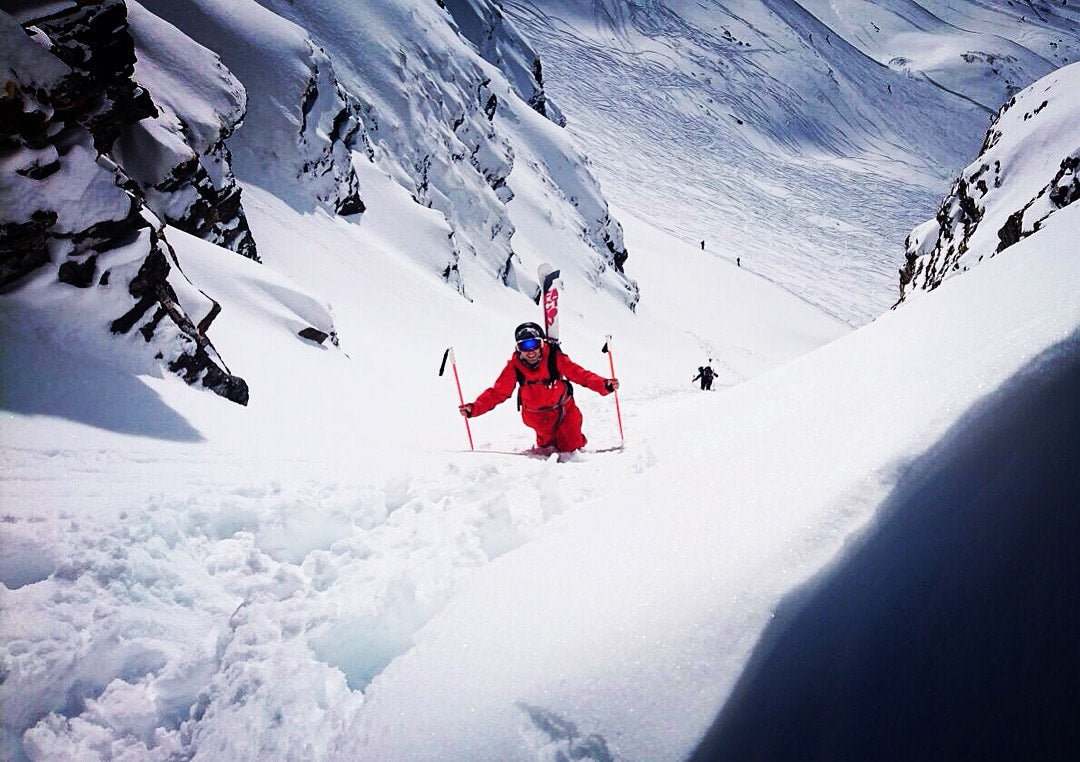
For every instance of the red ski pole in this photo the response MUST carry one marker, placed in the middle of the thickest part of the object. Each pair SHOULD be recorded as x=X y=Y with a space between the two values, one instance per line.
x=457 y=381
x=606 y=349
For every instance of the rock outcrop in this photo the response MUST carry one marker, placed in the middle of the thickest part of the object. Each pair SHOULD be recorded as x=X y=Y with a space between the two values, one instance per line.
x=69 y=205
x=180 y=158
x=121 y=122
x=302 y=123
x=1026 y=171
x=439 y=97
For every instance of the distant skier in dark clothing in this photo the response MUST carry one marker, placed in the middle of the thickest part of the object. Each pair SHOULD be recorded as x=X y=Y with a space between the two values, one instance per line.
x=542 y=374
x=706 y=374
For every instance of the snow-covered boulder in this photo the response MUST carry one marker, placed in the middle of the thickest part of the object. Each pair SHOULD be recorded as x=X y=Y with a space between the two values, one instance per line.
x=1025 y=172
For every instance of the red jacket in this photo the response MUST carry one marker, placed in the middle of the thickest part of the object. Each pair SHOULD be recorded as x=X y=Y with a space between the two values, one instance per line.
x=537 y=397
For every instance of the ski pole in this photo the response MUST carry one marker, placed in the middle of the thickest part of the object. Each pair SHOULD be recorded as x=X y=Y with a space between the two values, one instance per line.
x=453 y=364
x=606 y=349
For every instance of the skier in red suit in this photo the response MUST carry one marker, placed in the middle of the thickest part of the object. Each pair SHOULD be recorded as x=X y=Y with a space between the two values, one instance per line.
x=545 y=397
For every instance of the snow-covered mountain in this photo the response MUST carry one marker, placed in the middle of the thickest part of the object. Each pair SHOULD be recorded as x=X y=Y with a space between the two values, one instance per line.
x=1025 y=173
x=729 y=118
x=301 y=205
x=806 y=138
x=396 y=91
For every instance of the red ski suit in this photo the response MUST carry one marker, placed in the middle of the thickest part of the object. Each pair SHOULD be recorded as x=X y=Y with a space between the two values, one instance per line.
x=547 y=408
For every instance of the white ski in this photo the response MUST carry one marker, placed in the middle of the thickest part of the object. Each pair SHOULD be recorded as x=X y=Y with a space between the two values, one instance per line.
x=550 y=290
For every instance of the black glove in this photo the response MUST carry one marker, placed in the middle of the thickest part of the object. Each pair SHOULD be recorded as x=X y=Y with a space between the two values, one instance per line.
x=466 y=410
x=611 y=384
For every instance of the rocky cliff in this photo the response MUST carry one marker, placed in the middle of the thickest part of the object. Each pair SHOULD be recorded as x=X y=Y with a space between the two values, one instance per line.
x=1025 y=172
x=123 y=121
x=94 y=167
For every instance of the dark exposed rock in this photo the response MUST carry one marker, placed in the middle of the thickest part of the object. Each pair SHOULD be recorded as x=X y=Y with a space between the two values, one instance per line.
x=39 y=170
x=215 y=215
x=618 y=255
x=1011 y=231
x=968 y=206
x=78 y=274
x=21 y=124
x=197 y=359
x=108 y=234
x=907 y=272
x=93 y=40
x=1065 y=187
x=538 y=101
x=146 y=286
x=350 y=204
x=314 y=334
x=198 y=365
x=24 y=245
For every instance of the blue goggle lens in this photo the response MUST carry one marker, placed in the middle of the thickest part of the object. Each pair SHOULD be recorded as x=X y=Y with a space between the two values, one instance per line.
x=528 y=345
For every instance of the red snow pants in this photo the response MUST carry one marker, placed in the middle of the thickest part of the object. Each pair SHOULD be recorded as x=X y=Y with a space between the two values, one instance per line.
x=564 y=435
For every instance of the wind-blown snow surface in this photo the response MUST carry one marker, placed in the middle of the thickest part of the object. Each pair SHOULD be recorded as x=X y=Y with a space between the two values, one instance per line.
x=182 y=567
x=632 y=616
x=329 y=579
x=325 y=574
x=805 y=137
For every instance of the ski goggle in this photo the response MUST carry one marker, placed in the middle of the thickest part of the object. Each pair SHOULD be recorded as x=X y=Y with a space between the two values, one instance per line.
x=529 y=345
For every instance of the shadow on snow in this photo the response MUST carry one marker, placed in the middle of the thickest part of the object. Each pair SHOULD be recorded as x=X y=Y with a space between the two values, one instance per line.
x=951 y=629
x=83 y=390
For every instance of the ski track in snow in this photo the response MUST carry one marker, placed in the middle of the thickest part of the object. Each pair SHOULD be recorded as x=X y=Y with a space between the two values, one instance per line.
x=684 y=124
x=724 y=203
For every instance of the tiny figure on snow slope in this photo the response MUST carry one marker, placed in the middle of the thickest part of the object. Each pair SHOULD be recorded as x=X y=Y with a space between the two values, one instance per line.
x=706 y=374
x=543 y=375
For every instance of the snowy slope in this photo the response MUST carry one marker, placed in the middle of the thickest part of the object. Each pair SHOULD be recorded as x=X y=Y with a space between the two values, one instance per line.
x=325 y=573
x=632 y=616
x=315 y=498
x=805 y=137
x=190 y=572
x=396 y=85
x=141 y=126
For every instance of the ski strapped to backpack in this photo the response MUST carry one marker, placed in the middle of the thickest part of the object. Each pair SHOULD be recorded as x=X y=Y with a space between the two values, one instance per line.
x=551 y=286
x=553 y=378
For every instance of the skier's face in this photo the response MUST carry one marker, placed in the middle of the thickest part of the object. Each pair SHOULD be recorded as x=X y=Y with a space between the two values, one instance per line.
x=529 y=349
